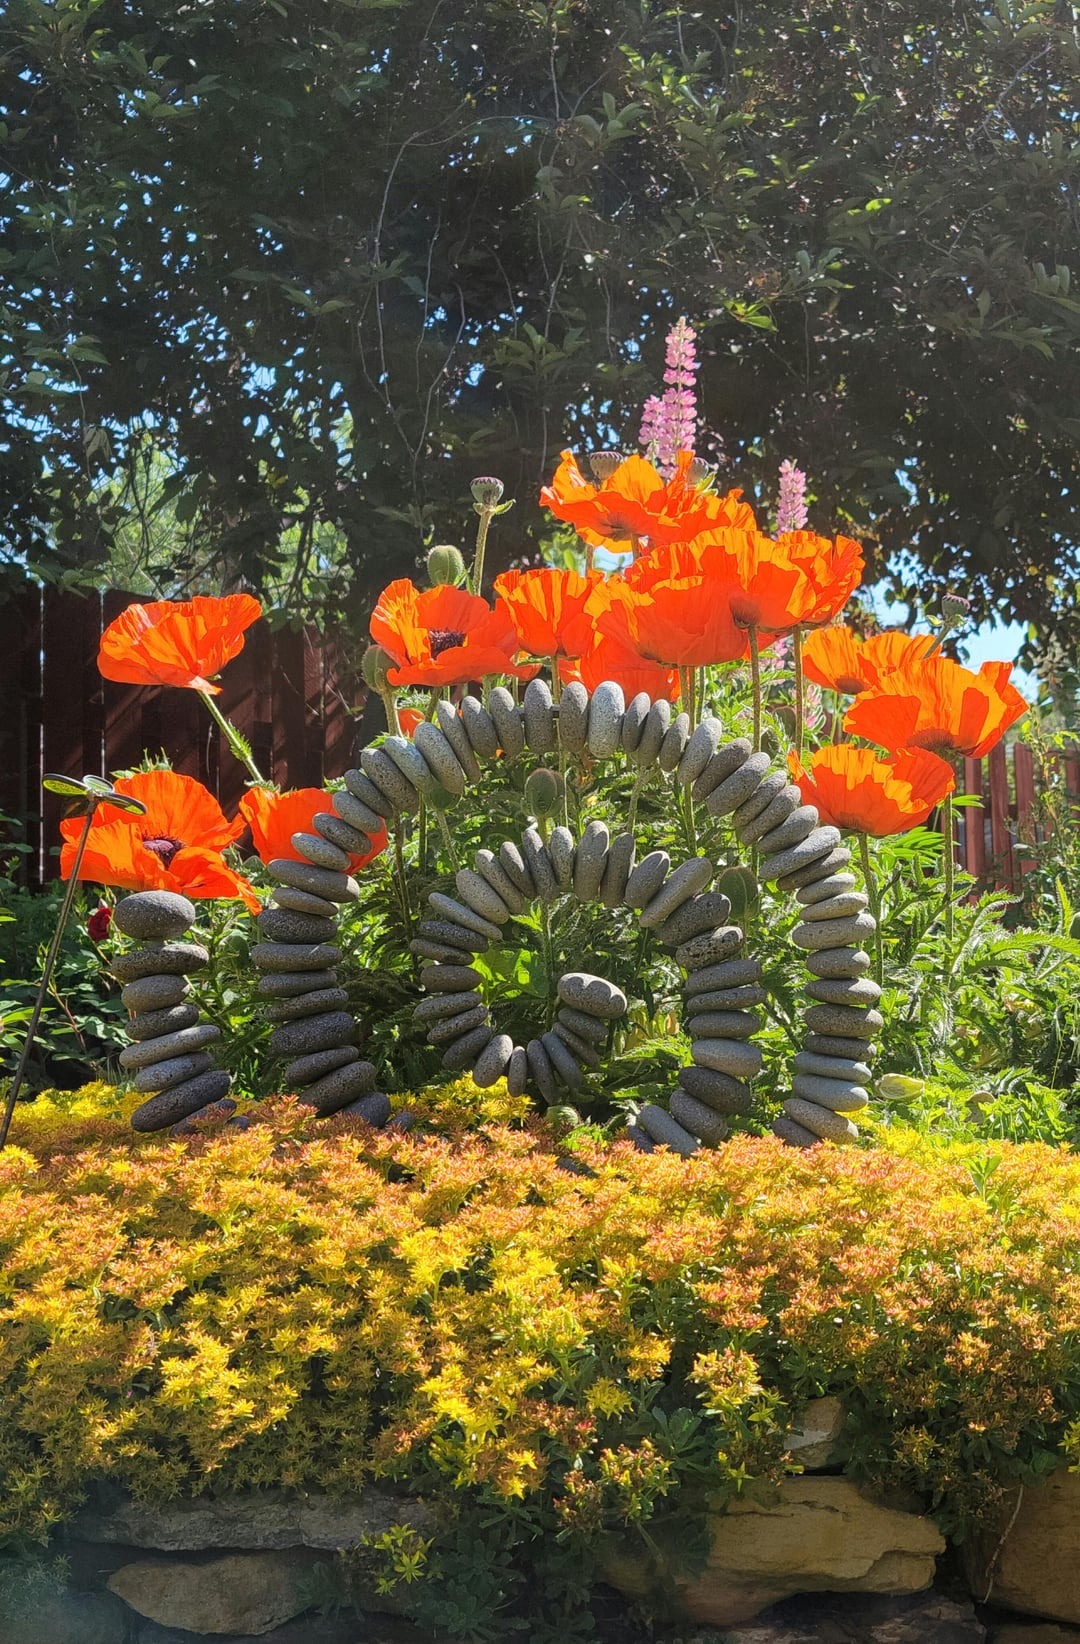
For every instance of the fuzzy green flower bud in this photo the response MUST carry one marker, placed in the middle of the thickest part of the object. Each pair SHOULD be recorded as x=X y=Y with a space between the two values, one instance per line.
x=445 y=565
x=374 y=665
x=543 y=792
x=699 y=471
x=604 y=464
x=955 y=609
x=741 y=888
x=898 y=1087
x=487 y=492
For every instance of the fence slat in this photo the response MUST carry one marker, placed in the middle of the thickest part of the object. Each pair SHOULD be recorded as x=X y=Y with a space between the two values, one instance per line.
x=1027 y=831
x=974 y=817
x=1000 y=836
x=72 y=701
x=20 y=723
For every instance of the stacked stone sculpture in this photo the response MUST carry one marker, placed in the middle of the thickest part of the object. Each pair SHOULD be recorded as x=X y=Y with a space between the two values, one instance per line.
x=169 y=1056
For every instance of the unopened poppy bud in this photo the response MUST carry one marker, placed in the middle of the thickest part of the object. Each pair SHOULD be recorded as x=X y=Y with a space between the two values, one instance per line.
x=954 y=609
x=699 y=471
x=740 y=886
x=374 y=666
x=445 y=565
x=604 y=464
x=440 y=798
x=898 y=1087
x=543 y=792
x=487 y=492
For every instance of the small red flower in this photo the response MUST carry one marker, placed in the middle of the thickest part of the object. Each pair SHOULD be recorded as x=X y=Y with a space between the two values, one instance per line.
x=97 y=926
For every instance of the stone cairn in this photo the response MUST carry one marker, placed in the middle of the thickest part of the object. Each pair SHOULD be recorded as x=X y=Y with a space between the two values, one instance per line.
x=169 y=1056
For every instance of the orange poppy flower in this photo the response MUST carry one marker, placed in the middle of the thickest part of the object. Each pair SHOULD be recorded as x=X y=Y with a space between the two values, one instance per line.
x=274 y=817
x=838 y=659
x=667 y=611
x=547 y=608
x=176 y=642
x=443 y=636
x=764 y=589
x=937 y=704
x=607 y=658
x=636 y=504
x=409 y=719
x=856 y=791
x=833 y=570
x=176 y=845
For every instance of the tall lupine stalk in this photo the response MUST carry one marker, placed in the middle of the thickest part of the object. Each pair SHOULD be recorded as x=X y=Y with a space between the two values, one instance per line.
x=669 y=421
x=791 y=516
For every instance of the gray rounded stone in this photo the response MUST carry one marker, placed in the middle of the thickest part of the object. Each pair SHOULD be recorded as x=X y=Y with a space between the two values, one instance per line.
x=449 y=722
x=163 y=1075
x=791 y=1133
x=282 y=925
x=760 y=800
x=153 y=915
x=316 y=1065
x=617 y=870
x=517 y=1072
x=328 y=825
x=723 y=1024
x=791 y=832
x=514 y=866
x=838 y=962
x=155 y=993
x=541 y=1071
x=183 y=1042
x=724 y=763
x=820 y=868
x=583 y=1026
x=382 y=772
x=698 y=1118
x=674 y=745
x=818 y=844
x=492 y=872
x=687 y=880
x=459 y=913
x=475 y=891
x=646 y=879
x=733 y=973
x=653 y=732
x=287 y=984
x=711 y=948
x=539 y=716
x=401 y=1123
x=736 y=789
x=589 y=861
x=299 y=901
x=153 y=1024
x=539 y=865
x=316 y=1003
x=856 y=991
x=438 y=952
x=363 y=788
x=723 y=999
x=355 y=813
x=563 y=1061
x=450 y=978
x=463 y=1052
x=825 y=1044
x=642 y=1141
x=320 y=852
x=666 y=1131
x=440 y=757
x=437 y=1006
x=344 y=1085
x=592 y=995
x=831 y=1067
x=820 y=1121
x=453 y=1027
x=311 y=1033
x=574 y=718
x=508 y=722
x=493 y=1060
x=561 y=850
x=701 y=913
x=606 y=710
x=167 y=959
x=782 y=805
x=578 y=1047
x=699 y=750
x=823 y=890
x=181 y=1100
x=836 y=907
x=479 y=727
x=410 y=762
x=335 y=887
x=844 y=1021
x=734 y=1056
x=293 y=956
x=717 y=1090
x=817 y=935
x=449 y=934
x=637 y=711
x=374 y=1109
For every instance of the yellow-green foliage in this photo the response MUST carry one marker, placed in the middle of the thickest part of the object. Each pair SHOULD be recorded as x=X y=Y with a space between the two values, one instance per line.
x=306 y=1303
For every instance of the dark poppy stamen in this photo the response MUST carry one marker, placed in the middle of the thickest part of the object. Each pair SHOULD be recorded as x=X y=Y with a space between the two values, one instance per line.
x=164 y=848
x=442 y=639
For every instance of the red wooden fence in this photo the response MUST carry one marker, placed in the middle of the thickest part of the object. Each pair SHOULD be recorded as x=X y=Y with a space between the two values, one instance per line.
x=289 y=693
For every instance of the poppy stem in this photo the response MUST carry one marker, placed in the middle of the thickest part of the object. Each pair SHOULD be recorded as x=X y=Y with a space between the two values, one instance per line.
x=486 y=517
x=389 y=702
x=399 y=868
x=635 y=546
x=873 y=892
x=447 y=839
x=556 y=683
x=948 y=834
x=46 y=975
x=800 y=688
x=755 y=685
x=421 y=833
x=237 y=744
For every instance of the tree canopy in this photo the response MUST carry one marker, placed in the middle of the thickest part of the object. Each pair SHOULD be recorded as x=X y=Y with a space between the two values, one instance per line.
x=293 y=271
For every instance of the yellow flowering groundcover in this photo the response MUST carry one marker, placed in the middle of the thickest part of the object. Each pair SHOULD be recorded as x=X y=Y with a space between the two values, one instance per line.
x=302 y=1303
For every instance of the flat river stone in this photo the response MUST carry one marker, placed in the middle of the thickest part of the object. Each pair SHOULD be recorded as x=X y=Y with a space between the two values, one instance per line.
x=605 y=719
x=284 y=925
x=306 y=1069
x=287 y=984
x=152 y=1024
x=335 y=887
x=508 y=722
x=733 y=1056
x=831 y=1127
x=285 y=956
x=573 y=718
x=168 y=959
x=315 y=1003
x=332 y=1092
x=311 y=1033
x=163 y=1075
x=155 y=992
x=592 y=995
x=181 y=1100
x=180 y=1043
x=153 y=914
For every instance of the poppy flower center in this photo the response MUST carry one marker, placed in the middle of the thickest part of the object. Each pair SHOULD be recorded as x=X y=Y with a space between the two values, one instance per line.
x=164 y=848
x=444 y=639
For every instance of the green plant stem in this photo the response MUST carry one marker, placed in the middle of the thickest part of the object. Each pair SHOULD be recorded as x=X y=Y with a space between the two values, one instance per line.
x=755 y=685
x=399 y=868
x=486 y=517
x=46 y=976
x=556 y=682
x=948 y=836
x=635 y=795
x=548 y=949
x=800 y=689
x=238 y=746
x=421 y=833
x=447 y=839
x=389 y=702
x=874 y=893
